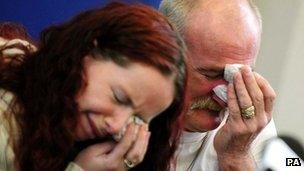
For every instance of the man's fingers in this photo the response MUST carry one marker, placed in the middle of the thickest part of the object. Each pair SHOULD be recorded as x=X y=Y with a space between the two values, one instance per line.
x=268 y=92
x=243 y=96
x=253 y=90
x=233 y=106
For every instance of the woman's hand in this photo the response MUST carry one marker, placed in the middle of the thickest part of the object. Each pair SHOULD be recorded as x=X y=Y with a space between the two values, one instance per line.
x=111 y=155
x=232 y=142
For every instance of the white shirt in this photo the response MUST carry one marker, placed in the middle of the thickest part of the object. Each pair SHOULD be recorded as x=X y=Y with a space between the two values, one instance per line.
x=190 y=143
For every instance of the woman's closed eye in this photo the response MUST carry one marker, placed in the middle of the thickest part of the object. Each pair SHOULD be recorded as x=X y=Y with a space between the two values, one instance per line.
x=121 y=97
x=89 y=112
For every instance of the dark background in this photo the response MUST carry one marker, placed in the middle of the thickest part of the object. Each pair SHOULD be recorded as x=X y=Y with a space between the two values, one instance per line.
x=35 y=15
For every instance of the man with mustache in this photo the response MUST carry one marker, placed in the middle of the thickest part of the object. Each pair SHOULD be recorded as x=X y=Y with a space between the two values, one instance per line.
x=220 y=32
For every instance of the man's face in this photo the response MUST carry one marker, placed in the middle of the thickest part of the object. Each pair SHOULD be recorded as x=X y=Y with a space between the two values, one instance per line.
x=208 y=52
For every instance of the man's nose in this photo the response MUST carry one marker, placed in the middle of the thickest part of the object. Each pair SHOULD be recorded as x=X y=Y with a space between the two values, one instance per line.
x=222 y=81
x=219 y=82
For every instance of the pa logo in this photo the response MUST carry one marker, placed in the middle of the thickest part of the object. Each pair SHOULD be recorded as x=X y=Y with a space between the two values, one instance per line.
x=293 y=162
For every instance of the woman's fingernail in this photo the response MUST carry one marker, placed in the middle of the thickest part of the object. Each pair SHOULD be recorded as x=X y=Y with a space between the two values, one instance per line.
x=148 y=134
x=136 y=130
x=145 y=127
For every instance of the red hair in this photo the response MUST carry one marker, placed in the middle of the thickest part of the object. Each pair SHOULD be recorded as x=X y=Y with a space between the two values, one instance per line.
x=47 y=82
x=11 y=30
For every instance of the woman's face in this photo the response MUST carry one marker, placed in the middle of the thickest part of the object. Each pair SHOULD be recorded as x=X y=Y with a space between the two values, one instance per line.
x=112 y=94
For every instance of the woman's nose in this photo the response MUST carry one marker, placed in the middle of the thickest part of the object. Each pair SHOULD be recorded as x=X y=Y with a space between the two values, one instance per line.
x=117 y=122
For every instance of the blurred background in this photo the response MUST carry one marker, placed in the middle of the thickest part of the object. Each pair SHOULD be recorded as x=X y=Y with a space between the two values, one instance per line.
x=281 y=59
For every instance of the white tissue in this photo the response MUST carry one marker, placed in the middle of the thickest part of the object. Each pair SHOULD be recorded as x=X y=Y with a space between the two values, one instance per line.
x=229 y=71
x=134 y=119
x=221 y=90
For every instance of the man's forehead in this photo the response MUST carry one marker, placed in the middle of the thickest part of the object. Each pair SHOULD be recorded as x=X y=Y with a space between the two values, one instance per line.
x=216 y=63
x=219 y=31
x=219 y=42
x=218 y=56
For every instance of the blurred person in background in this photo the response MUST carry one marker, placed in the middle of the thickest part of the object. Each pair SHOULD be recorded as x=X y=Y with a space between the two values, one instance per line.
x=14 y=42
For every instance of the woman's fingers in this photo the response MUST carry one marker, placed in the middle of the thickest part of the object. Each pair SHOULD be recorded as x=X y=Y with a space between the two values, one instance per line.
x=95 y=156
x=126 y=142
x=137 y=152
x=101 y=148
x=113 y=156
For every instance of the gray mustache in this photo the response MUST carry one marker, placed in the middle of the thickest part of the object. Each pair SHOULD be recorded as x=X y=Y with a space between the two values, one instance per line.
x=205 y=103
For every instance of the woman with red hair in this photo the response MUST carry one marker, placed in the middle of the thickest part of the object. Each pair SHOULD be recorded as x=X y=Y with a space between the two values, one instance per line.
x=103 y=92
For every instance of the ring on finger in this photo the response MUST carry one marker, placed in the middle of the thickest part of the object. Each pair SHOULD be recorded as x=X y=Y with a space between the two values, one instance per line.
x=129 y=163
x=248 y=113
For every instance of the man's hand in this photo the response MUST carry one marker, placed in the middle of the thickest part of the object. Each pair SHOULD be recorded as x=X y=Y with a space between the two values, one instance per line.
x=110 y=156
x=232 y=142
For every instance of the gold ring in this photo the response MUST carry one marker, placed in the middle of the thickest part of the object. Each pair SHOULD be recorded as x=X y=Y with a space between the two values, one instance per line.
x=129 y=163
x=248 y=112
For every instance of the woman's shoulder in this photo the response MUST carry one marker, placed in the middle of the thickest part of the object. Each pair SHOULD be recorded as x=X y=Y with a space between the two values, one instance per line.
x=6 y=99
x=7 y=118
x=6 y=153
